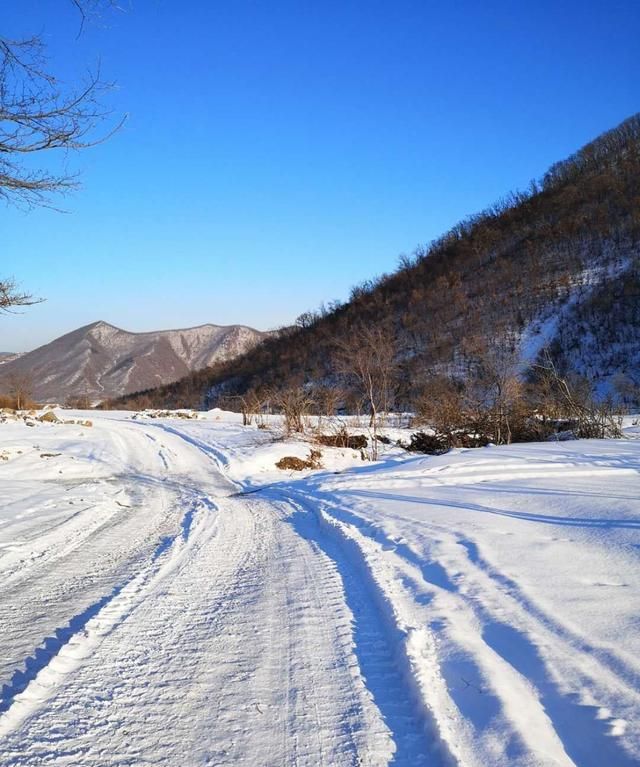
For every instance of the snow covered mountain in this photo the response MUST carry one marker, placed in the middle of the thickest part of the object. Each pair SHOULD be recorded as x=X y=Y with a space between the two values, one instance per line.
x=101 y=360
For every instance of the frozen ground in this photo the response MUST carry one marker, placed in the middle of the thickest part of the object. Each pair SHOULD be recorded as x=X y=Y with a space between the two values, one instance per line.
x=169 y=598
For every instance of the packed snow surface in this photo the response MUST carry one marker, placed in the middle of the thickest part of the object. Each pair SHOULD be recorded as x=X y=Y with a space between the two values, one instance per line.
x=169 y=597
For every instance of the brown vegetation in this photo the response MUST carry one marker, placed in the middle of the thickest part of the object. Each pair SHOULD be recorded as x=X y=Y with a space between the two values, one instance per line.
x=343 y=439
x=442 y=334
x=17 y=388
x=548 y=406
x=293 y=463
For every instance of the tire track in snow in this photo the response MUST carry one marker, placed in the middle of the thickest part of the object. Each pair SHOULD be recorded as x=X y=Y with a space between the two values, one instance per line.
x=244 y=657
x=589 y=662
x=64 y=652
x=435 y=573
x=379 y=642
x=462 y=687
x=307 y=683
x=77 y=571
x=212 y=453
x=626 y=671
x=614 y=664
x=585 y=734
x=237 y=657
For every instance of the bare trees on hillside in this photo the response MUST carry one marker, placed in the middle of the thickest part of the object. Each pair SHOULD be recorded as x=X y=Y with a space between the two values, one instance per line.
x=499 y=403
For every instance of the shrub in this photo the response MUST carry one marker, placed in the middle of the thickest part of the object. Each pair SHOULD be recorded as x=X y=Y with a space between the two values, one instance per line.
x=293 y=463
x=49 y=417
x=432 y=444
x=294 y=404
x=343 y=439
x=78 y=402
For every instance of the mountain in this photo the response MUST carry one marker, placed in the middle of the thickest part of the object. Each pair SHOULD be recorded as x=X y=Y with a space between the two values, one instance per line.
x=101 y=361
x=553 y=269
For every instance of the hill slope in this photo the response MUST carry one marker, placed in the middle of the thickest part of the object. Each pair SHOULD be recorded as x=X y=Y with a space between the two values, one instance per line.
x=103 y=361
x=555 y=267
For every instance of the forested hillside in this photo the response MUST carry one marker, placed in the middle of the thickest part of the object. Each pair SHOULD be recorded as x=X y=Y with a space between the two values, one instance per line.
x=555 y=268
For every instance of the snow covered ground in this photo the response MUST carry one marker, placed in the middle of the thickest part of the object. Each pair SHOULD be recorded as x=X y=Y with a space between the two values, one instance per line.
x=169 y=597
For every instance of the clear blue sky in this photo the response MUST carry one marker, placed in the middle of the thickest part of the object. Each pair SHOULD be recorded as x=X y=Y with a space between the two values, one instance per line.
x=278 y=152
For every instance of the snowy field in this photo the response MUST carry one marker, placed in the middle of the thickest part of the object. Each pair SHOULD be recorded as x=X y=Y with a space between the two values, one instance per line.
x=169 y=597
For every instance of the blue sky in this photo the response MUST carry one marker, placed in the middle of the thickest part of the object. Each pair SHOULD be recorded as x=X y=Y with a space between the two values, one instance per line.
x=278 y=152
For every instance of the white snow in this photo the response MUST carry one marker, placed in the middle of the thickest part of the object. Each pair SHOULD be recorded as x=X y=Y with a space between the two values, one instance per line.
x=541 y=331
x=169 y=597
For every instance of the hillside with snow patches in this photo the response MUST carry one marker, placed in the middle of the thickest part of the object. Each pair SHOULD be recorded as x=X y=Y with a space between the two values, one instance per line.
x=553 y=269
x=169 y=597
x=100 y=361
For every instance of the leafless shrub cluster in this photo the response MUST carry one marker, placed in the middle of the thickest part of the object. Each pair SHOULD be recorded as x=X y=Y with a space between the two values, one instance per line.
x=571 y=401
x=17 y=389
x=295 y=405
x=498 y=407
x=342 y=438
x=253 y=406
x=78 y=402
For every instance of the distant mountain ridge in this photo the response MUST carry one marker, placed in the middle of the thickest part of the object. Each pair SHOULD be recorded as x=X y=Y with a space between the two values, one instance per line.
x=102 y=361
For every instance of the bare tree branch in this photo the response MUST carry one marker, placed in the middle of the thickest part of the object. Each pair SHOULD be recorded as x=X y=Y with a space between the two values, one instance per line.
x=11 y=297
x=40 y=113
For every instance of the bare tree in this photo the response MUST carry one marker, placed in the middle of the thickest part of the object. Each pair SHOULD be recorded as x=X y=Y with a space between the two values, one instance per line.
x=39 y=113
x=367 y=358
x=11 y=297
x=572 y=399
x=20 y=387
x=327 y=399
x=252 y=406
x=294 y=404
x=499 y=387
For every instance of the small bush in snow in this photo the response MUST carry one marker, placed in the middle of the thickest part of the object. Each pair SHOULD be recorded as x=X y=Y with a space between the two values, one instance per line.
x=432 y=444
x=343 y=439
x=293 y=463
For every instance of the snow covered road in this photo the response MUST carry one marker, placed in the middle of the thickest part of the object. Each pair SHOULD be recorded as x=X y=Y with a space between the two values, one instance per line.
x=202 y=629
x=476 y=609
